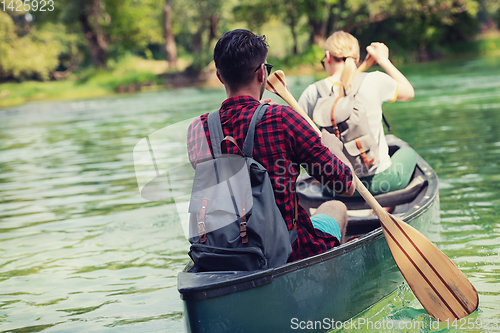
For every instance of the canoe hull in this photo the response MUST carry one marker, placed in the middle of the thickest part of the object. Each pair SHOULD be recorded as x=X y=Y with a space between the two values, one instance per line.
x=333 y=290
x=322 y=290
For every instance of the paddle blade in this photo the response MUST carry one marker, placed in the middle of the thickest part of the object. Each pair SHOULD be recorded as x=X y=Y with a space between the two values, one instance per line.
x=276 y=84
x=442 y=289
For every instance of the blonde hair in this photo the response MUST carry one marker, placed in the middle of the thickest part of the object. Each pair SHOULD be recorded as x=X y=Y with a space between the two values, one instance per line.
x=344 y=46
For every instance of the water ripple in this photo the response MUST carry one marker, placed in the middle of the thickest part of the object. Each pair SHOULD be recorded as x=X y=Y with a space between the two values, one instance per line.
x=82 y=251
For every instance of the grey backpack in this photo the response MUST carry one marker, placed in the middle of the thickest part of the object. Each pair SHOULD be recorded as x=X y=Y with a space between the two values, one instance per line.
x=235 y=223
x=345 y=116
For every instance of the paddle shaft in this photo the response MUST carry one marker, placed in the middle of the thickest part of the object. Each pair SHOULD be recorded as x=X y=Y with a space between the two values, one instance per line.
x=367 y=63
x=276 y=84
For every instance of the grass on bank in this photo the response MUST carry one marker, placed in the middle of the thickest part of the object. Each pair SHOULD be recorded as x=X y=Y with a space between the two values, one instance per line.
x=132 y=74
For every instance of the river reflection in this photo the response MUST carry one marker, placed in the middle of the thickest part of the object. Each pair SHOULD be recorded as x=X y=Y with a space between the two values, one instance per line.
x=83 y=251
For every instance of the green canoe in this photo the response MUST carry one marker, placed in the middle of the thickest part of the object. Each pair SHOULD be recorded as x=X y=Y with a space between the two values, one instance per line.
x=325 y=289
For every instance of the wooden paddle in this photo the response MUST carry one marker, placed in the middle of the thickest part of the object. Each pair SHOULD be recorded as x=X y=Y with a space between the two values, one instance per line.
x=442 y=289
x=367 y=63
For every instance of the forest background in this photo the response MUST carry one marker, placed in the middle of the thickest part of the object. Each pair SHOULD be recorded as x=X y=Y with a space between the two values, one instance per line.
x=70 y=49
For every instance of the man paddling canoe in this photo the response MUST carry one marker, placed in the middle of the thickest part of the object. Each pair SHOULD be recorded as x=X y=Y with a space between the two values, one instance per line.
x=284 y=141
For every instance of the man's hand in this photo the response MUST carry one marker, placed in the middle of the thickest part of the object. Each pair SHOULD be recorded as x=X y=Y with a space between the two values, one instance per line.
x=267 y=100
x=331 y=141
x=336 y=146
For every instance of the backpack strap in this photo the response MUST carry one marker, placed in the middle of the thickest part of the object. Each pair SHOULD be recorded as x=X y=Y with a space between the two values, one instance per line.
x=356 y=84
x=248 y=152
x=219 y=147
x=217 y=137
x=216 y=132
x=323 y=89
x=257 y=116
x=386 y=123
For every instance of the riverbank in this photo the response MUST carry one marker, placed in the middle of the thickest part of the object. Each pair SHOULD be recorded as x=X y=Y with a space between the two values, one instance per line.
x=133 y=74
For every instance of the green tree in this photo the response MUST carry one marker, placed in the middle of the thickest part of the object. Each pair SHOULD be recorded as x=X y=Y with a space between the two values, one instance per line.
x=32 y=53
x=132 y=25
x=422 y=27
x=111 y=27
x=258 y=12
x=85 y=17
x=318 y=13
x=489 y=14
x=415 y=25
x=170 y=45
x=196 y=24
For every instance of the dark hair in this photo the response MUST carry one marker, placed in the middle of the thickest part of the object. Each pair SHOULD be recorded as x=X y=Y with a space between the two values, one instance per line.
x=237 y=54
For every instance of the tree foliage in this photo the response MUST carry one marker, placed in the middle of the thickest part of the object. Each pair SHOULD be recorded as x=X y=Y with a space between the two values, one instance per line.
x=196 y=24
x=33 y=55
x=424 y=26
x=97 y=31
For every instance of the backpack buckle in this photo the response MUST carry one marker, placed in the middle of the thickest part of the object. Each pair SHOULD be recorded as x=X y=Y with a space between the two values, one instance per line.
x=243 y=232
x=202 y=232
x=201 y=224
x=336 y=132
x=243 y=223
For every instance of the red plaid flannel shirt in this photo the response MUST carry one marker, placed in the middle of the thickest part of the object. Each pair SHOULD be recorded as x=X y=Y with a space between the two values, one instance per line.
x=283 y=142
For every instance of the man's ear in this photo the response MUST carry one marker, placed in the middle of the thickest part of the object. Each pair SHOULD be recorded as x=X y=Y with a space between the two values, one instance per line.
x=261 y=76
x=218 y=76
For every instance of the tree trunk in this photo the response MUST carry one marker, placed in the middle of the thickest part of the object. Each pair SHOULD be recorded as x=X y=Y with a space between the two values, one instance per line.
x=197 y=41
x=318 y=28
x=315 y=28
x=96 y=49
x=97 y=27
x=214 y=22
x=324 y=24
x=294 y=34
x=170 y=45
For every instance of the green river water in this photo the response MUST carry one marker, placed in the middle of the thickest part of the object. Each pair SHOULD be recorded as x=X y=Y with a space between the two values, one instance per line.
x=82 y=251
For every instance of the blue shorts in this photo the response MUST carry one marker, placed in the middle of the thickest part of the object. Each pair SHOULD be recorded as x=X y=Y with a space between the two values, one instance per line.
x=327 y=224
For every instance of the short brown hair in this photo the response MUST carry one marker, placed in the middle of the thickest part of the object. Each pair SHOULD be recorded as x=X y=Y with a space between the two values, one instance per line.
x=237 y=54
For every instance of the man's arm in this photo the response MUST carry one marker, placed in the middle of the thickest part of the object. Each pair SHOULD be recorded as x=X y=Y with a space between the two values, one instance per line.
x=197 y=142
x=336 y=148
x=317 y=159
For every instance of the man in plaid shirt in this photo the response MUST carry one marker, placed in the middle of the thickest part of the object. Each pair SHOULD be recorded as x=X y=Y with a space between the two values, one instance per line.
x=284 y=141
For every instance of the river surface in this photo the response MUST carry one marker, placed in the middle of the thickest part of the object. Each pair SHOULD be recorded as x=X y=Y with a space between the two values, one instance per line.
x=82 y=251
